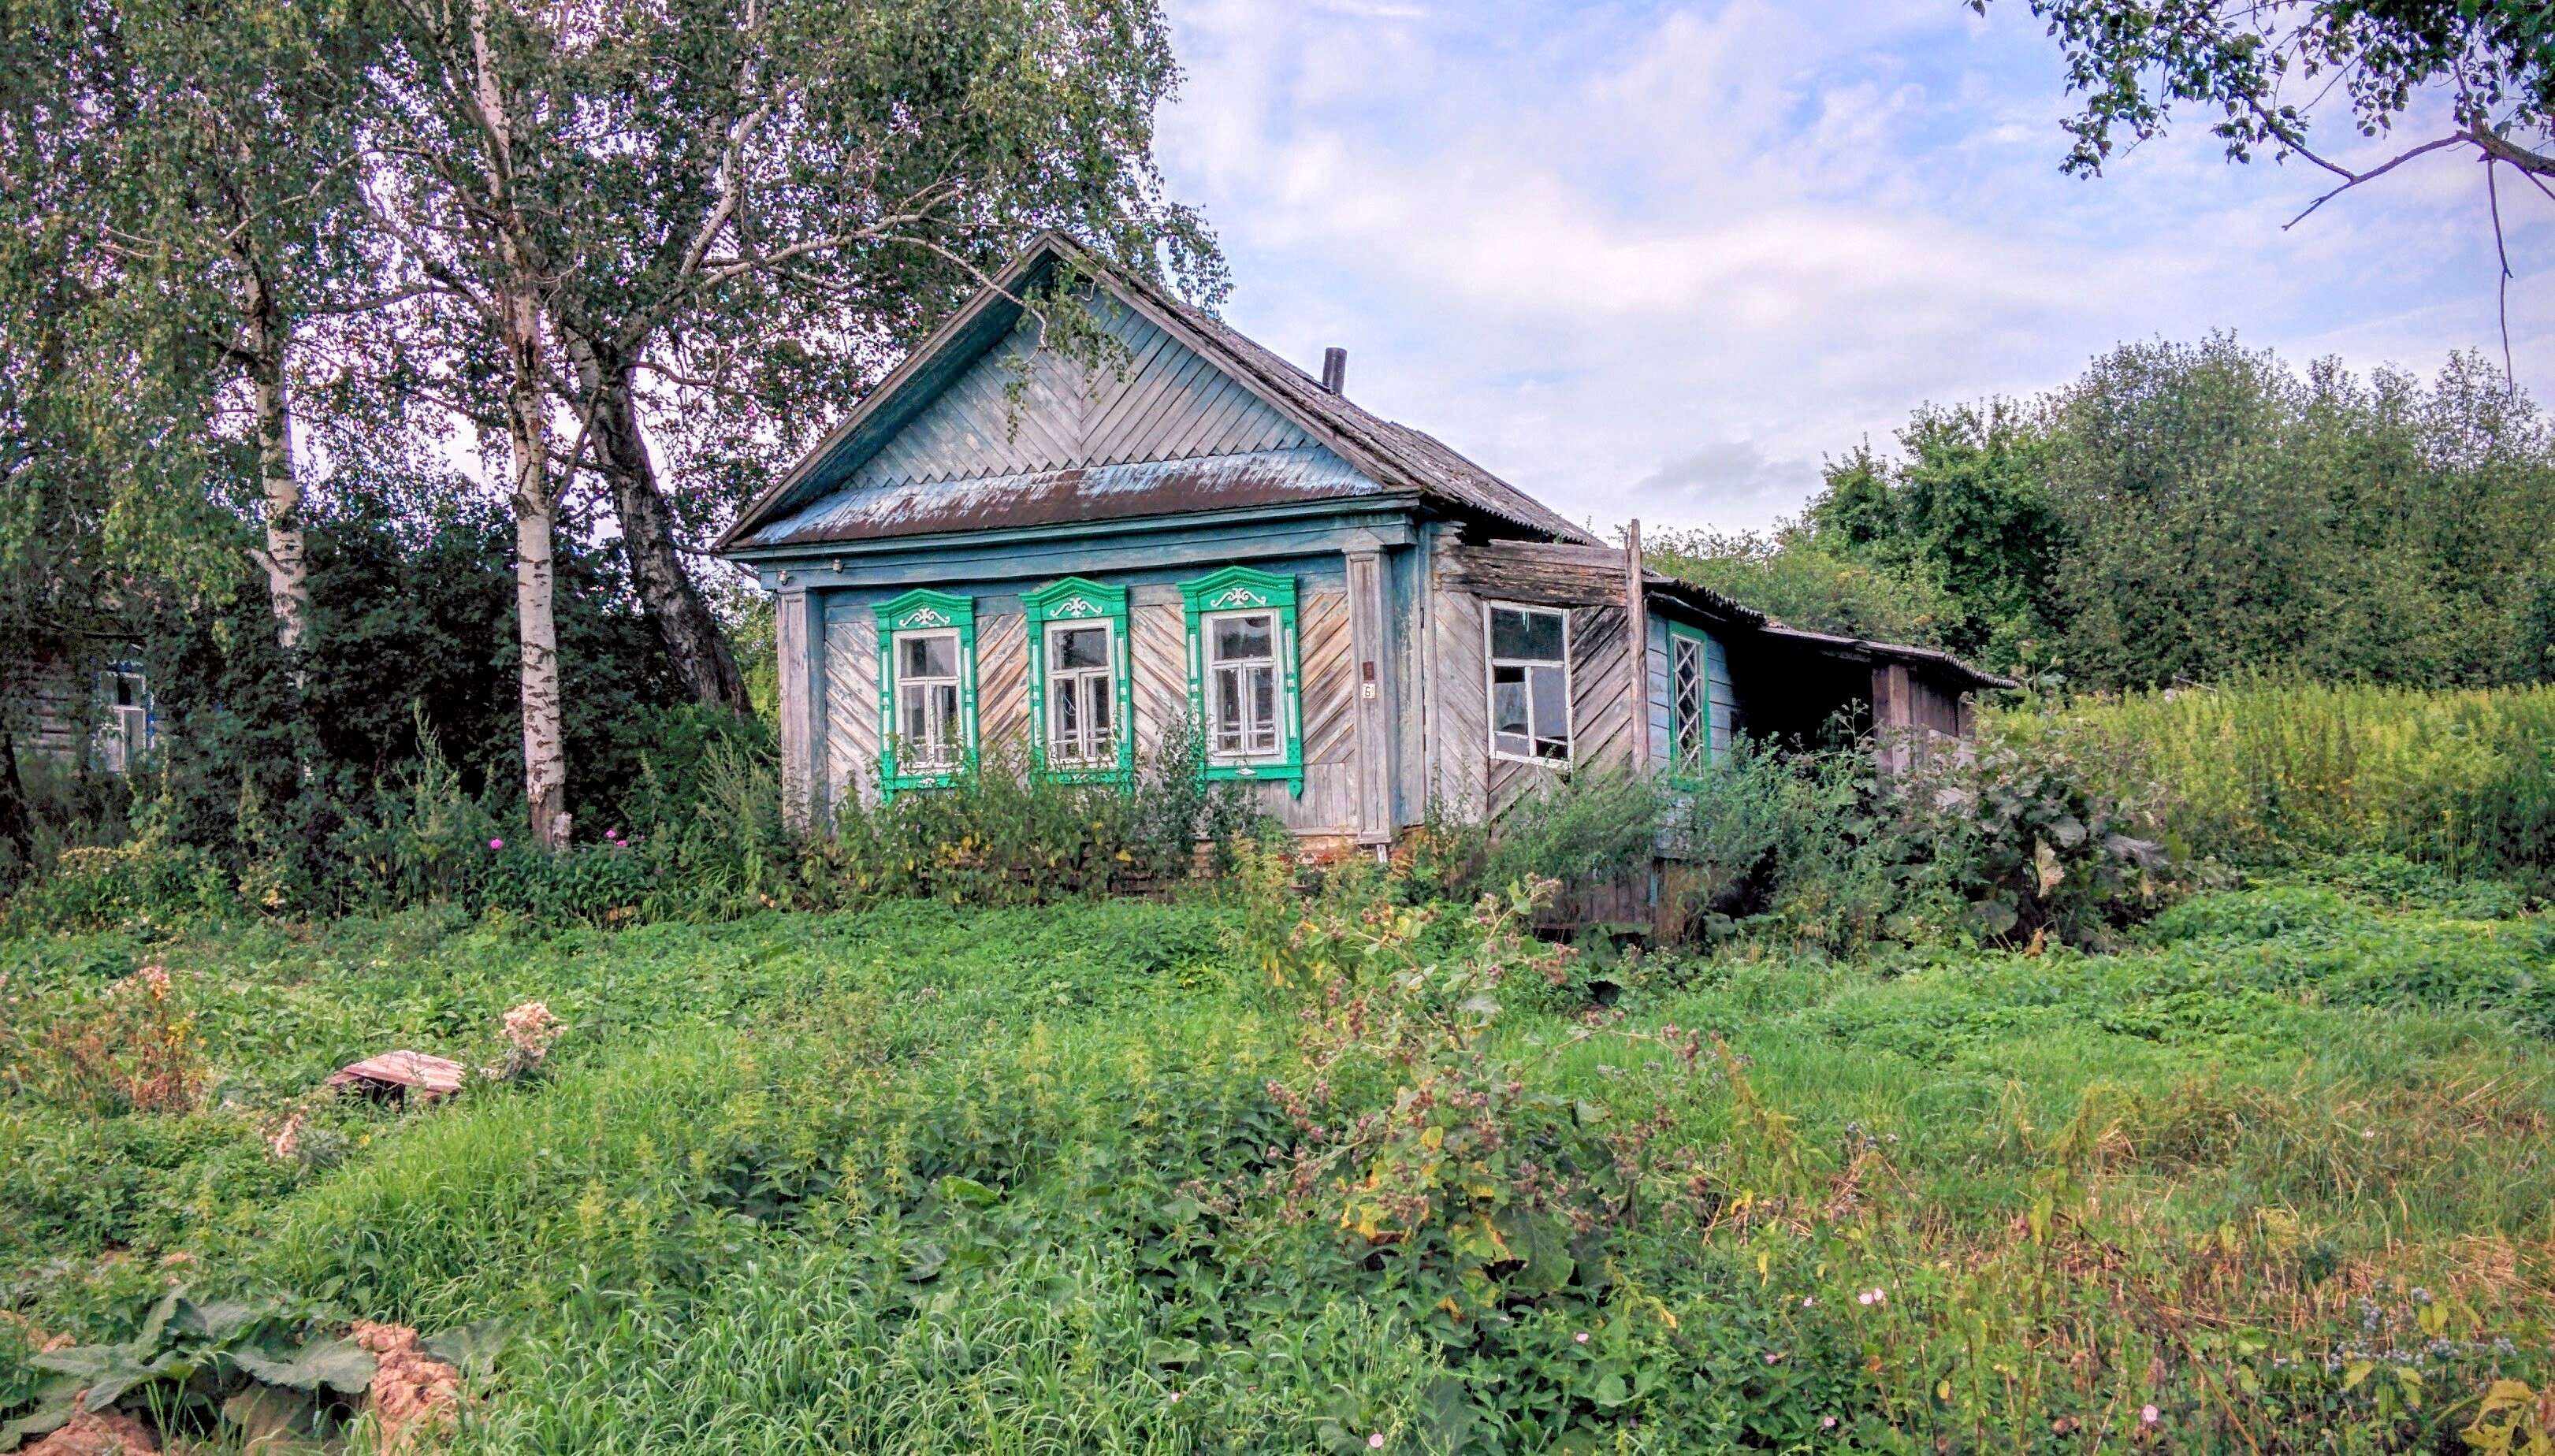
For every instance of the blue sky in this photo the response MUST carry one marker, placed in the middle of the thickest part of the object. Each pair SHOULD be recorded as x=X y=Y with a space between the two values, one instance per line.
x=1658 y=260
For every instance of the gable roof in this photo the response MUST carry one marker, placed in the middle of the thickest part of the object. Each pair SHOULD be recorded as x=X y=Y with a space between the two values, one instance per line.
x=977 y=429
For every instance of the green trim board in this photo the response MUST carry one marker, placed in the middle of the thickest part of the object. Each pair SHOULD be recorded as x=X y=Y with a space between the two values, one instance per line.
x=1689 y=704
x=1079 y=601
x=924 y=610
x=1241 y=588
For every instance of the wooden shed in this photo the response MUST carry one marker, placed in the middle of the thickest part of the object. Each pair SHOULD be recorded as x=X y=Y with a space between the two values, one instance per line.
x=1003 y=545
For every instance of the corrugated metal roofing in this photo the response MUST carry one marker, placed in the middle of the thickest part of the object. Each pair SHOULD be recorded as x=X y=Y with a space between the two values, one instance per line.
x=1075 y=493
x=1195 y=389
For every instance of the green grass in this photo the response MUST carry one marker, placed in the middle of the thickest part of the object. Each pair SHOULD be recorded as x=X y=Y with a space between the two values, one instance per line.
x=923 y=1178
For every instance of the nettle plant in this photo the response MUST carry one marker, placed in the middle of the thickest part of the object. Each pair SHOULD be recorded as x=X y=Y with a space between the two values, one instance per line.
x=1441 y=1165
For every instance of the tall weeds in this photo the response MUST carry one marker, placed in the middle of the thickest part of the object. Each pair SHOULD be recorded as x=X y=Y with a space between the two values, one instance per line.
x=2268 y=772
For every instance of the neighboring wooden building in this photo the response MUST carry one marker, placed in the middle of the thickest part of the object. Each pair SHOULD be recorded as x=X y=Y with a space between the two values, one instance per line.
x=1002 y=545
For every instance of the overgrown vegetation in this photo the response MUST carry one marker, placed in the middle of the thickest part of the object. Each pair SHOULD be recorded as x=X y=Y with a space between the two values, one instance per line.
x=1291 y=1167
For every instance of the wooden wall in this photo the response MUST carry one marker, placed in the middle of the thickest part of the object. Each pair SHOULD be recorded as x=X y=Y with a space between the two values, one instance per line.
x=1157 y=635
x=1003 y=680
x=1602 y=664
x=851 y=708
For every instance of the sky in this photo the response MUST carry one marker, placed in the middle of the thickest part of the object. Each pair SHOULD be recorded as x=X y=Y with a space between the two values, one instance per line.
x=1659 y=261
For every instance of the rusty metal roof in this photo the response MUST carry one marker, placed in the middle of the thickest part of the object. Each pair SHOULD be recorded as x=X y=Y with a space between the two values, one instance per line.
x=822 y=499
x=1078 y=493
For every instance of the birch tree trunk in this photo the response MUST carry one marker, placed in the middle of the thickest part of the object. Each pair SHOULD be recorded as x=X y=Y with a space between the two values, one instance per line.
x=536 y=628
x=287 y=572
x=691 y=634
x=519 y=323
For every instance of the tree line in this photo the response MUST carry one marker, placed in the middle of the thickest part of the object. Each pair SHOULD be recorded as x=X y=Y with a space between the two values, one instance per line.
x=284 y=263
x=2187 y=512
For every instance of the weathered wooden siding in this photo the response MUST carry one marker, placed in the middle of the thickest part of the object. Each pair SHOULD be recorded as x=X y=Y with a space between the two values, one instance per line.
x=1601 y=699
x=1021 y=409
x=1327 y=692
x=1158 y=632
x=851 y=708
x=1003 y=685
x=1461 y=720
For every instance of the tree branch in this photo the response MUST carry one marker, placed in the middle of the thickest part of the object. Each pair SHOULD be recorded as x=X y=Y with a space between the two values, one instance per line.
x=2354 y=179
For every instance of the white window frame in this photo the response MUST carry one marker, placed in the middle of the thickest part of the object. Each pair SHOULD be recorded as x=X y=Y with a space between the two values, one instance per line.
x=1491 y=663
x=1105 y=754
x=926 y=758
x=1275 y=752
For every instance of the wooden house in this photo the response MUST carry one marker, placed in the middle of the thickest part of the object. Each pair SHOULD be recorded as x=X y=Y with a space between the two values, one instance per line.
x=1004 y=546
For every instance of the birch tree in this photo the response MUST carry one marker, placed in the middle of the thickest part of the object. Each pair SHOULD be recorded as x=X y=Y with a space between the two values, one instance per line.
x=812 y=182
x=460 y=177
x=614 y=203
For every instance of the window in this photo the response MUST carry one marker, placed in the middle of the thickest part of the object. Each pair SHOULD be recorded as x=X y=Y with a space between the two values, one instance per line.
x=926 y=690
x=1689 y=704
x=1530 y=684
x=1243 y=689
x=1242 y=685
x=926 y=699
x=1080 y=692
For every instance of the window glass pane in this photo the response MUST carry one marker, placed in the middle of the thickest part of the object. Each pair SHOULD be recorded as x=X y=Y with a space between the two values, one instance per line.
x=1264 y=710
x=1227 y=710
x=914 y=729
x=1508 y=700
x=944 y=727
x=1068 y=714
x=1082 y=647
x=1241 y=638
x=1551 y=712
x=1095 y=695
x=1535 y=636
x=927 y=657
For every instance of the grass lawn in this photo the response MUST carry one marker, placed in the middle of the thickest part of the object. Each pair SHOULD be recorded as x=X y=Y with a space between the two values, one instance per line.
x=918 y=1178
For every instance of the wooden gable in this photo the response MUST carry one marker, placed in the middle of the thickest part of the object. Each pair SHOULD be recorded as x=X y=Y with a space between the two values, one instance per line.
x=1021 y=409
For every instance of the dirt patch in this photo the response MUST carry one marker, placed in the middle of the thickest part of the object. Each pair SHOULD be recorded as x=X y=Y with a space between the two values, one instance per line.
x=414 y=1396
x=96 y=1434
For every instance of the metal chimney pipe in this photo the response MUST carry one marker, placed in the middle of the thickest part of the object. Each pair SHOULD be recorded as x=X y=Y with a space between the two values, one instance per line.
x=1335 y=370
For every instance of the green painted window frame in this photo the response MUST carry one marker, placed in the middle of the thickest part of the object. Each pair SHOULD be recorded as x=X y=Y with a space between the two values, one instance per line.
x=1076 y=599
x=921 y=610
x=1677 y=743
x=1244 y=589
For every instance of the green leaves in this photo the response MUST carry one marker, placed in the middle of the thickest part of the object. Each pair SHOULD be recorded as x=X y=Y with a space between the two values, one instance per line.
x=338 y=1364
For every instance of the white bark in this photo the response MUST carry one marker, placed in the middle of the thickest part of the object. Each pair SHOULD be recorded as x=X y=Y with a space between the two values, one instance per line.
x=528 y=438
x=287 y=573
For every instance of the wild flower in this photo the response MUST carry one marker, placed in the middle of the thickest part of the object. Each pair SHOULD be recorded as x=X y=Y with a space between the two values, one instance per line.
x=530 y=1029
x=2149 y=1415
x=1581 y=1337
x=1375 y=1442
x=495 y=844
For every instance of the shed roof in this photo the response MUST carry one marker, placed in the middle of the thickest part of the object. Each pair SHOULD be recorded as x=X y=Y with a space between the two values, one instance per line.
x=1932 y=658
x=1260 y=448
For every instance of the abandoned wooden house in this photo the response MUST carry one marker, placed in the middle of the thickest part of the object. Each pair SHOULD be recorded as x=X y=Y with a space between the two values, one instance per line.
x=1004 y=545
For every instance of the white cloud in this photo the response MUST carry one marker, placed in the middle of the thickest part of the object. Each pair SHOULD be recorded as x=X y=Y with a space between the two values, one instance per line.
x=1669 y=258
